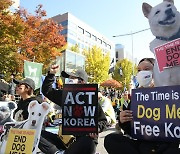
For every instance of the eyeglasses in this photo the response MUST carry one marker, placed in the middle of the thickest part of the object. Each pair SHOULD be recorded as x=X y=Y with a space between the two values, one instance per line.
x=151 y=60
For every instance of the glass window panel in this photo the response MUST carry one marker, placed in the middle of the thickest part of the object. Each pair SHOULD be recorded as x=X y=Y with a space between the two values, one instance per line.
x=80 y=62
x=71 y=41
x=72 y=33
x=108 y=46
x=70 y=61
x=88 y=34
x=80 y=30
x=72 y=25
x=64 y=31
x=99 y=40
x=104 y=43
x=94 y=37
x=64 y=23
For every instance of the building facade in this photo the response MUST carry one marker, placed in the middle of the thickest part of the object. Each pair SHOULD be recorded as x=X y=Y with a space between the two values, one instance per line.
x=122 y=54
x=76 y=32
x=70 y=61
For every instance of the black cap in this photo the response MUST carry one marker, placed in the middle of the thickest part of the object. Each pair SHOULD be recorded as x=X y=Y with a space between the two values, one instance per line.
x=26 y=81
x=80 y=73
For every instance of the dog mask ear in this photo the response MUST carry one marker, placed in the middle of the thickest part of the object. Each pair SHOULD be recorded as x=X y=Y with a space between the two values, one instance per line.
x=171 y=1
x=45 y=106
x=31 y=105
x=146 y=9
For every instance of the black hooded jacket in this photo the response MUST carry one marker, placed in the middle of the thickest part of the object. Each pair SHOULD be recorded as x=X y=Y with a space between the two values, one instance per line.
x=21 y=113
x=56 y=95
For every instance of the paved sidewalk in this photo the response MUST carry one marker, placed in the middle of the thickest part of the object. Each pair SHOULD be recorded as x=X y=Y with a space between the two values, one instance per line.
x=100 y=148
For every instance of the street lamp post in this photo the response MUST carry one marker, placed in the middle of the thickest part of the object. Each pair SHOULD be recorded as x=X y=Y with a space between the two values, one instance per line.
x=132 y=48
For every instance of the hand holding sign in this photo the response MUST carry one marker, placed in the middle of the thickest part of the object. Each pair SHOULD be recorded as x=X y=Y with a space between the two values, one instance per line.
x=125 y=116
x=156 y=113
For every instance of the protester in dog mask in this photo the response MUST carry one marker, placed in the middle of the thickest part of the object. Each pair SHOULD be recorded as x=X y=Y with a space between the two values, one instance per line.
x=123 y=142
x=84 y=144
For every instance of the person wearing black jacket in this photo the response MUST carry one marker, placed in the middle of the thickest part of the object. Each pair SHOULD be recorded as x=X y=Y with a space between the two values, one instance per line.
x=123 y=143
x=25 y=89
x=83 y=144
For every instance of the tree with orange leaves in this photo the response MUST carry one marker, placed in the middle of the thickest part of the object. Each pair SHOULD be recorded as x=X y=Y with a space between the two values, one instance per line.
x=27 y=37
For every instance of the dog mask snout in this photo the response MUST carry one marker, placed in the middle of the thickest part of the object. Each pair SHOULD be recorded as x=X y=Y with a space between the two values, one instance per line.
x=169 y=11
x=33 y=122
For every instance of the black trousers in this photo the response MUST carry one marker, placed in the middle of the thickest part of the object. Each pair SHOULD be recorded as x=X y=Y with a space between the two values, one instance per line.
x=50 y=143
x=119 y=144
x=82 y=145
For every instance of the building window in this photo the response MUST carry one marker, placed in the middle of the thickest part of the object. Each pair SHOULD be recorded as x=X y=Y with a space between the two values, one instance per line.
x=99 y=41
x=72 y=25
x=104 y=43
x=108 y=46
x=64 y=31
x=80 y=37
x=80 y=30
x=88 y=34
x=80 y=62
x=81 y=45
x=64 y=23
x=72 y=33
x=71 y=41
x=70 y=61
x=94 y=37
x=116 y=54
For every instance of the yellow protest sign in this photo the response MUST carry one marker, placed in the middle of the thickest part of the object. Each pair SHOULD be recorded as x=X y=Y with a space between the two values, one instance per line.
x=20 y=141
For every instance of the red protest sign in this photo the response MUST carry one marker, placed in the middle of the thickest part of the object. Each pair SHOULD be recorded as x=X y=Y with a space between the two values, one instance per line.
x=168 y=55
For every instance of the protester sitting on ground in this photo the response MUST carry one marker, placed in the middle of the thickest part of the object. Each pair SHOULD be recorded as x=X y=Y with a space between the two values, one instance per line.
x=107 y=108
x=25 y=89
x=85 y=144
x=118 y=143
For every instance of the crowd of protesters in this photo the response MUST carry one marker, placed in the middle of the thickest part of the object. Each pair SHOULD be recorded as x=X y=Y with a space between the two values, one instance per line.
x=117 y=97
x=113 y=105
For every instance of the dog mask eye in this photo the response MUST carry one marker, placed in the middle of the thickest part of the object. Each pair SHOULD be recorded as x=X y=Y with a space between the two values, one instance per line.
x=157 y=12
x=39 y=114
x=168 y=5
x=32 y=113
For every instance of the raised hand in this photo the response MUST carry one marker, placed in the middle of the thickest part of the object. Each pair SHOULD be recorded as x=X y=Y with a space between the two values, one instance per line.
x=54 y=68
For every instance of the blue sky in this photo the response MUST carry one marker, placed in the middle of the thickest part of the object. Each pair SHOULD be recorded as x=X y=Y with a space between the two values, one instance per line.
x=109 y=17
